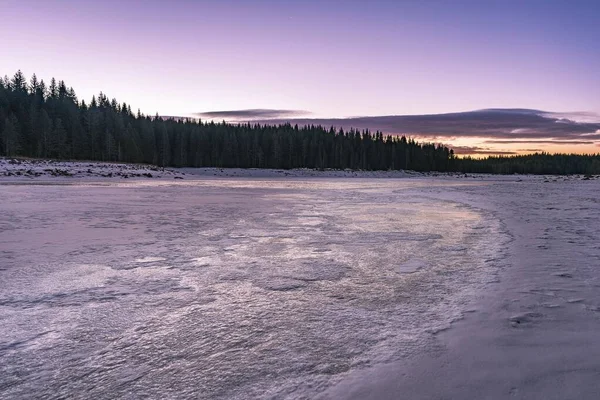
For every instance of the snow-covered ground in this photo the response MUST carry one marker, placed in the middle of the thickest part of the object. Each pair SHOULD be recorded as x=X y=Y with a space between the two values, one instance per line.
x=255 y=286
x=15 y=169
x=11 y=168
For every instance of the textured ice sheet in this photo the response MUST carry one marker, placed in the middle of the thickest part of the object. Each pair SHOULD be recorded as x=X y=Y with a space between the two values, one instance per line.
x=228 y=288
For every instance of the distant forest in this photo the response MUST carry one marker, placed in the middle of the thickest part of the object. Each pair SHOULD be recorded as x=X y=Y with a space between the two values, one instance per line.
x=49 y=121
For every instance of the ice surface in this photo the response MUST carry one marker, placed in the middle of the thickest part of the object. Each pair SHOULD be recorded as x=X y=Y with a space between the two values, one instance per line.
x=411 y=266
x=534 y=334
x=226 y=287
x=261 y=287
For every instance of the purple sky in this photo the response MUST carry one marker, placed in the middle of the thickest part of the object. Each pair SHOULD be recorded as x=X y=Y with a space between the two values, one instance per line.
x=333 y=59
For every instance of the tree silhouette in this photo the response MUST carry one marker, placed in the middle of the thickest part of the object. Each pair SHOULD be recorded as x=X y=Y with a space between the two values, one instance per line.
x=40 y=121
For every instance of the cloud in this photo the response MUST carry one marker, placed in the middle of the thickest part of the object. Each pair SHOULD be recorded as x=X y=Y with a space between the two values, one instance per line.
x=578 y=116
x=466 y=150
x=533 y=141
x=490 y=123
x=251 y=114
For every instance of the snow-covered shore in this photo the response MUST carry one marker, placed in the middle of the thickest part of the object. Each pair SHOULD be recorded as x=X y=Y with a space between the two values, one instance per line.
x=33 y=168
x=42 y=169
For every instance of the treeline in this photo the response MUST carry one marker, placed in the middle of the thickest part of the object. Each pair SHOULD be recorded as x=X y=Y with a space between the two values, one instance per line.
x=49 y=121
x=539 y=163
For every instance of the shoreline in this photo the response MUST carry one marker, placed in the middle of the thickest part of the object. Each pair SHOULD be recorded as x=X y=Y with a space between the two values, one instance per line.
x=30 y=169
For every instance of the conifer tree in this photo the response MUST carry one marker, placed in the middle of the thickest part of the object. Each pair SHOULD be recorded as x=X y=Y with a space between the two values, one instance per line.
x=19 y=83
x=53 y=89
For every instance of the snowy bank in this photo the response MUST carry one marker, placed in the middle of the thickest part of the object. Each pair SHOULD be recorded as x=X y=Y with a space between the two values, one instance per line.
x=31 y=169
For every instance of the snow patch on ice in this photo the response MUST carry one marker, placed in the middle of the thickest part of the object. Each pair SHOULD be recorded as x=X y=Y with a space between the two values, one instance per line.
x=145 y=260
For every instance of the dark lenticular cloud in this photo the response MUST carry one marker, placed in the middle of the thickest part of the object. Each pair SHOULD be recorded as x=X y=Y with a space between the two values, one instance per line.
x=492 y=123
x=531 y=150
x=479 y=150
x=533 y=141
x=252 y=114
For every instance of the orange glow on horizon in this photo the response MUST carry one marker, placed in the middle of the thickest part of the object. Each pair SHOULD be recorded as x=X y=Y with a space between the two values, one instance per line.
x=481 y=147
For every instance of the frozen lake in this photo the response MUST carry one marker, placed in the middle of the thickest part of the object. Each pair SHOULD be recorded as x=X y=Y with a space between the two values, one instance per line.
x=234 y=288
x=226 y=288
